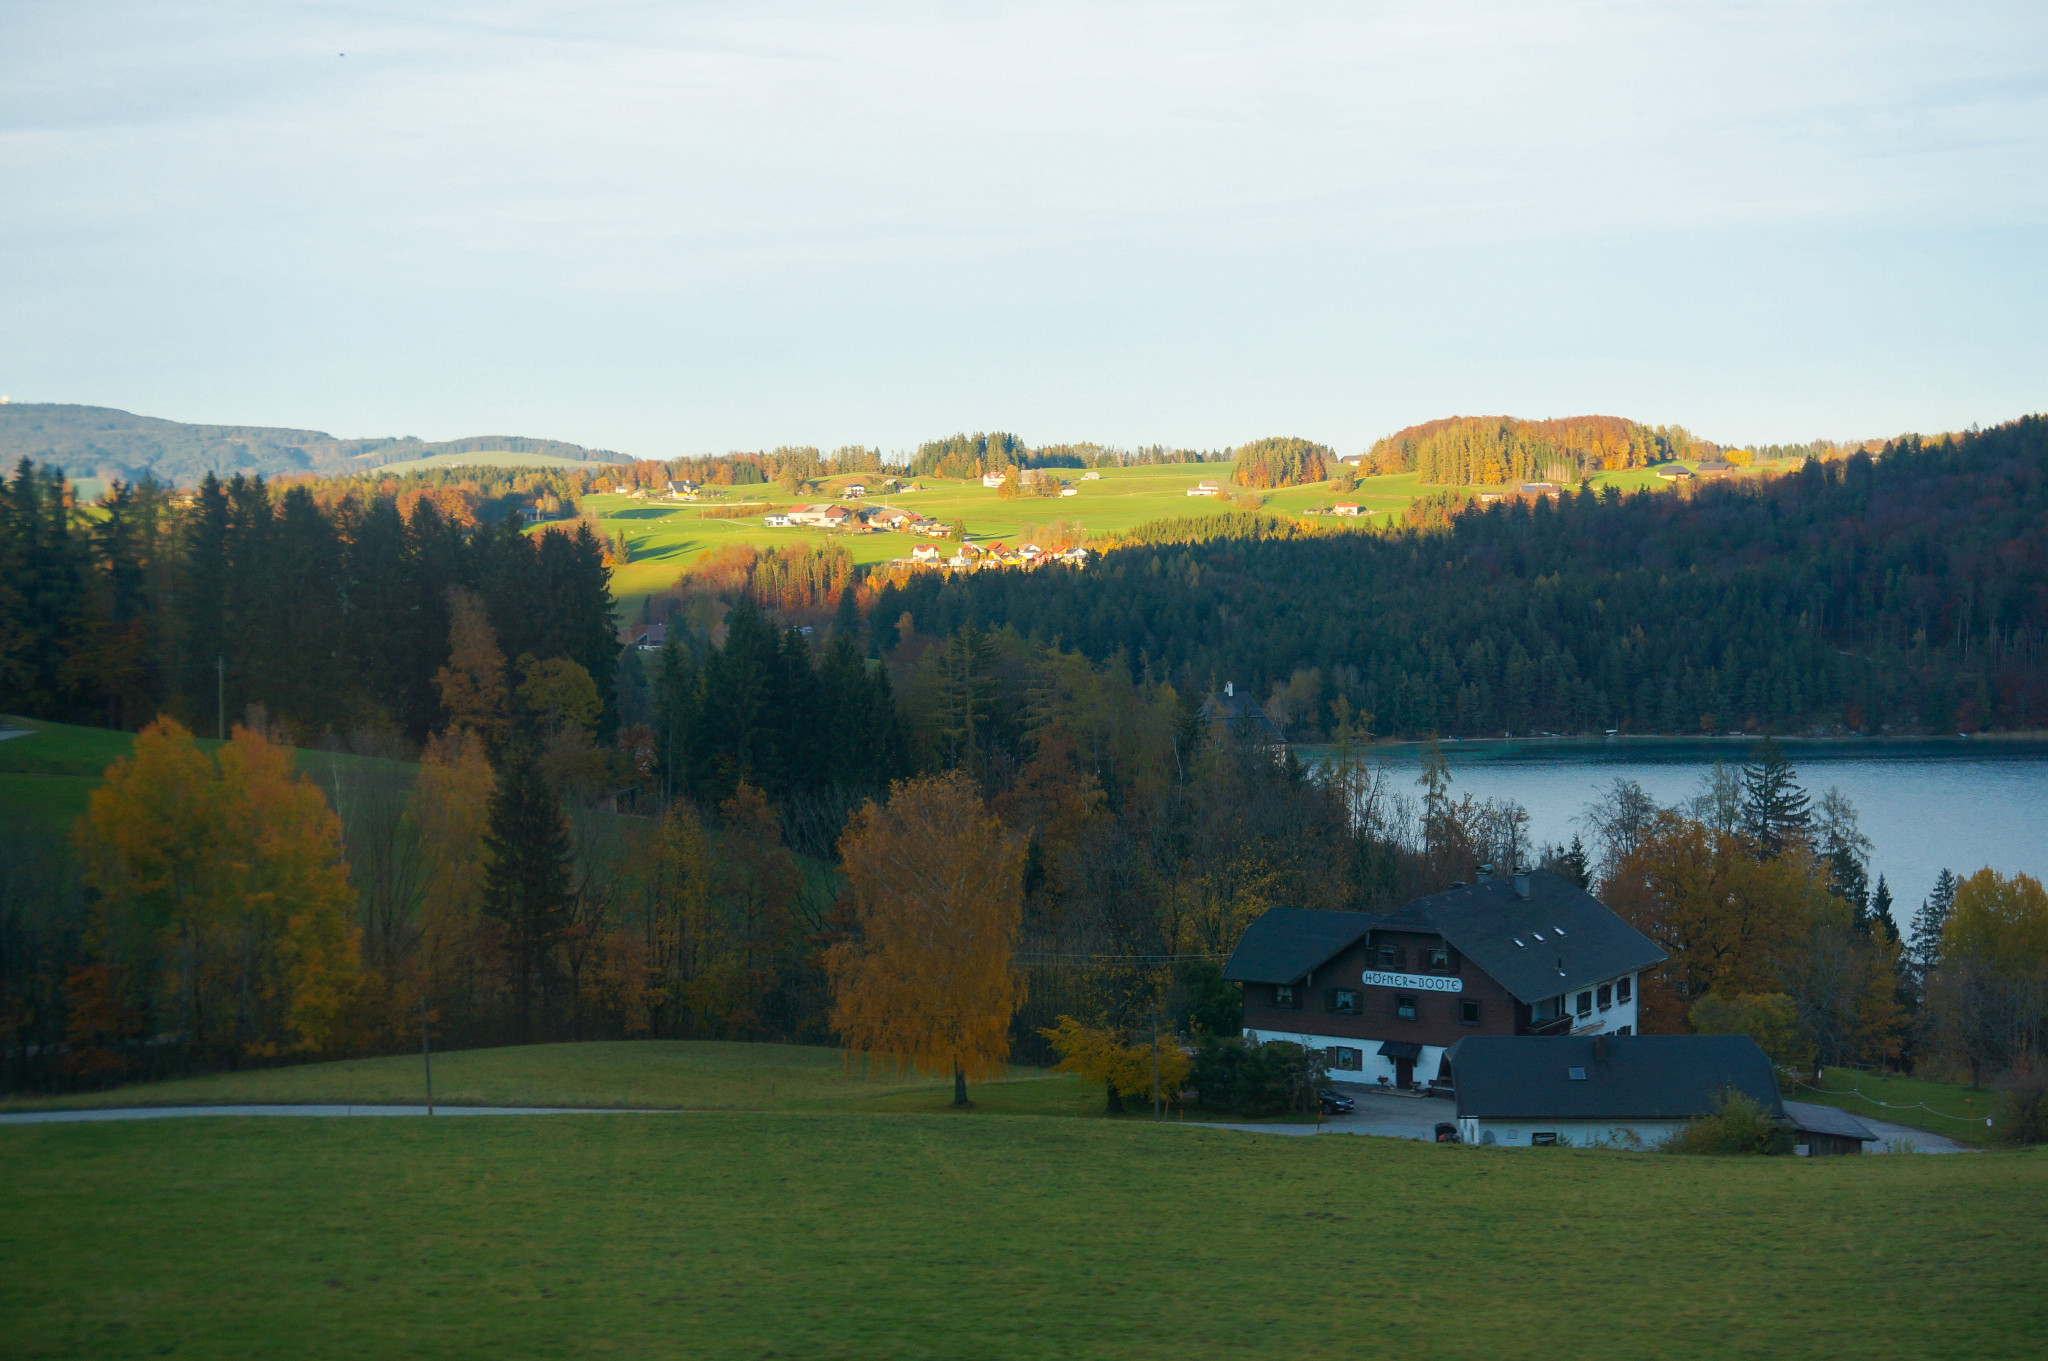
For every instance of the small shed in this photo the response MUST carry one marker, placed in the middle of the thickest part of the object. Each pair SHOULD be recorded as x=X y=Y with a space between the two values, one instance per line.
x=1826 y=1131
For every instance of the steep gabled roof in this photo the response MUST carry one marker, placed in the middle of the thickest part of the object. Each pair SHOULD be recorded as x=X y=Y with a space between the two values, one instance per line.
x=1558 y=938
x=1286 y=942
x=1640 y=1077
x=1244 y=716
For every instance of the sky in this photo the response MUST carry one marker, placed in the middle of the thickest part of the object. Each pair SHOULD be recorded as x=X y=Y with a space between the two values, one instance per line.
x=670 y=228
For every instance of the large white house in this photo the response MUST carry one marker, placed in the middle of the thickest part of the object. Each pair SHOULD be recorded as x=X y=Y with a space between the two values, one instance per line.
x=1386 y=995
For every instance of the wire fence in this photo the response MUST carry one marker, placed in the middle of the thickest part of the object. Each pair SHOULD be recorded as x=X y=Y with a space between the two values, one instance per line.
x=1857 y=1092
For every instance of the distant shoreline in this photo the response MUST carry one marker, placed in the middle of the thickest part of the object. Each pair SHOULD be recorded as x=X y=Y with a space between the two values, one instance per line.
x=1650 y=740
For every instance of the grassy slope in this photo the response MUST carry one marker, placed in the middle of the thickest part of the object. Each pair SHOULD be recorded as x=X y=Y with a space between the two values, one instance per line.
x=700 y=1075
x=47 y=776
x=728 y=1234
x=487 y=458
x=1950 y=1109
x=665 y=536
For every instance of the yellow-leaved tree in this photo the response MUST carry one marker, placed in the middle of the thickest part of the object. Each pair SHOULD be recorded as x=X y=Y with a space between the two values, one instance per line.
x=936 y=895
x=223 y=899
x=1140 y=1070
x=450 y=805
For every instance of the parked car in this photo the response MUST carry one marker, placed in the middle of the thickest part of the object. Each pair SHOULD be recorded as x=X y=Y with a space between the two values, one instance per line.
x=1333 y=1104
x=1447 y=1133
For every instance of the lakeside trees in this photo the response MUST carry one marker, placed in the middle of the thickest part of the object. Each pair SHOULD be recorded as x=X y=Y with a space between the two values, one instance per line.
x=1889 y=594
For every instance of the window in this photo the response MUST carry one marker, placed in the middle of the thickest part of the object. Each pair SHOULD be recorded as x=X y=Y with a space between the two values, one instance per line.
x=1344 y=1001
x=1344 y=1060
x=1468 y=1013
x=1585 y=1004
x=1283 y=995
x=1626 y=1030
x=1392 y=958
x=1549 y=1009
x=1540 y=1139
x=1404 y=1006
x=1606 y=996
x=1439 y=961
x=1625 y=989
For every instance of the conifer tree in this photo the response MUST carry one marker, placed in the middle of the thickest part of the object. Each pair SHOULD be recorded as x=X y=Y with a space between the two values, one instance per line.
x=527 y=884
x=1929 y=922
x=1775 y=810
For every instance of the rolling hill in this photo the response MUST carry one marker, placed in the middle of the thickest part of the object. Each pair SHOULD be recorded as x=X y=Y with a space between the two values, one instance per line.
x=102 y=442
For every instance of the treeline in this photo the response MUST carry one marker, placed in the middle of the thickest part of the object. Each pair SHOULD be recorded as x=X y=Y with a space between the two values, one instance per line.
x=1490 y=450
x=1888 y=594
x=331 y=619
x=1282 y=461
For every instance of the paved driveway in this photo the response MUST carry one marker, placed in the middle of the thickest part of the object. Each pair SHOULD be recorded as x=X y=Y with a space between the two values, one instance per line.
x=1382 y=1113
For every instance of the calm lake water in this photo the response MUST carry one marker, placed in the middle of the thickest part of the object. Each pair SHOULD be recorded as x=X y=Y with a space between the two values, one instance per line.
x=1925 y=804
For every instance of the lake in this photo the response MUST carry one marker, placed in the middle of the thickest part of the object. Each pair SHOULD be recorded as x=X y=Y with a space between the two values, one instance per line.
x=1963 y=803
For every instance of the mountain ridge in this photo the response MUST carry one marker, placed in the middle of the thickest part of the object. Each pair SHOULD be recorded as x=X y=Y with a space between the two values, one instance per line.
x=107 y=442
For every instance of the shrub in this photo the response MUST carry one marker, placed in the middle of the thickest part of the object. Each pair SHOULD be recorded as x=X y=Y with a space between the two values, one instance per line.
x=2026 y=1109
x=1257 y=1079
x=1738 y=1125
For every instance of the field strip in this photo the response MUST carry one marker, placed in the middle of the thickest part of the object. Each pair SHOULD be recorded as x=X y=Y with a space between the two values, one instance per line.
x=324 y=1112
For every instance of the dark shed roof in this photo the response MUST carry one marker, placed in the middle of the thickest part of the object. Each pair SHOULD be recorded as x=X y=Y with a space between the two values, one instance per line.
x=1286 y=942
x=1245 y=717
x=1558 y=938
x=1808 y=1118
x=1642 y=1077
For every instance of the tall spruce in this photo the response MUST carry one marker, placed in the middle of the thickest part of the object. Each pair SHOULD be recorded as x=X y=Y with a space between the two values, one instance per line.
x=527 y=884
x=1775 y=810
x=1924 y=943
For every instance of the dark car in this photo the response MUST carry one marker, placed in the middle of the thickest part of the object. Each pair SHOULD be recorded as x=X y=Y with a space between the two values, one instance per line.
x=1334 y=1104
x=1447 y=1133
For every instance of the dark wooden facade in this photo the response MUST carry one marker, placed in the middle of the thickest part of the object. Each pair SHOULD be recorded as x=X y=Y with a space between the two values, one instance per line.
x=1438 y=1016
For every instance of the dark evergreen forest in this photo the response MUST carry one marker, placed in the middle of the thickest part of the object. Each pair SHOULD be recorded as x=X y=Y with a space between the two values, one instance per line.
x=1898 y=593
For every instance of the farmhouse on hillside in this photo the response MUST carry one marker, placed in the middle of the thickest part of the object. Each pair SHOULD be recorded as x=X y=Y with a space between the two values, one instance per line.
x=1625 y=1091
x=1205 y=489
x=1385 y=996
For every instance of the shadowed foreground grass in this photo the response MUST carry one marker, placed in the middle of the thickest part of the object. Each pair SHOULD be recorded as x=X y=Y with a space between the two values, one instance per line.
x=755 y=1235
x=643 y=1074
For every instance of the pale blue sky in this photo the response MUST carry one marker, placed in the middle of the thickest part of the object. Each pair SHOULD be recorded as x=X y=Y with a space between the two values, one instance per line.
x=673 y=227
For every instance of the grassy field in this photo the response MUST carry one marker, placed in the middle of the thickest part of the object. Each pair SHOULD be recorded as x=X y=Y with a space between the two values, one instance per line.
x=1950 y=1109
x=846 y=1235
x=648 y=1074
x=47 y=775
x=488 y=458
x=665 y=537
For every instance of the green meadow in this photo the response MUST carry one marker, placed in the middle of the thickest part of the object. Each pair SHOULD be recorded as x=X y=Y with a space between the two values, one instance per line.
x=849 y=1234
x=48 y=774
x=1951 y=1109
x=665 y=537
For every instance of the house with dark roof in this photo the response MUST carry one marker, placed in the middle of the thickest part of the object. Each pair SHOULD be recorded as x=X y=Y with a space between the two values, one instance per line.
x=1243 y=716
x=1613 y=1091
x=1386 y=995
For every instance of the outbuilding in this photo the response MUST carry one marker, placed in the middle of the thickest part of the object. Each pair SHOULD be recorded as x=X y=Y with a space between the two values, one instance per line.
x=1602 y=1091
x=1825 y=1132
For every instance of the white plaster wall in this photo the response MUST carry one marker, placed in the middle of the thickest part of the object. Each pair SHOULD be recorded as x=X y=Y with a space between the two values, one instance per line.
x=1427 y=1064
x=1581 y=1133
x=1614 y=1017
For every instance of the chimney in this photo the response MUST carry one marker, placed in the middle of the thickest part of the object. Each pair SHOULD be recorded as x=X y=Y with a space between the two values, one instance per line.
x=1228 y=689
x=1485 y=873
x=1521 y=881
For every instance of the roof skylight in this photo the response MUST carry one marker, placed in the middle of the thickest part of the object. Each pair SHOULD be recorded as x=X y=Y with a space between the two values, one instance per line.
x=1575 y=1074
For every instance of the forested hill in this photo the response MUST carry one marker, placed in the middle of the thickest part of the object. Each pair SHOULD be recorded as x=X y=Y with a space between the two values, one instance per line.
x=99 y=441
x=1905 y=592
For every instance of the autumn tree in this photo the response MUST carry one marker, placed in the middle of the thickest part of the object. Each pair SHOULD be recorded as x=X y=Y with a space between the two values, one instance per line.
x=448 y=813
x=1988 y=999
x=935 y=890
x=1126 y=1071
x=224 y=901
x=472 y=684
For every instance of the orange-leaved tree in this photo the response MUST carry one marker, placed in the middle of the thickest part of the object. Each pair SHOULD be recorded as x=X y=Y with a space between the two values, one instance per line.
x=223 y=897
x=1139 y=1070
x=936 y=894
